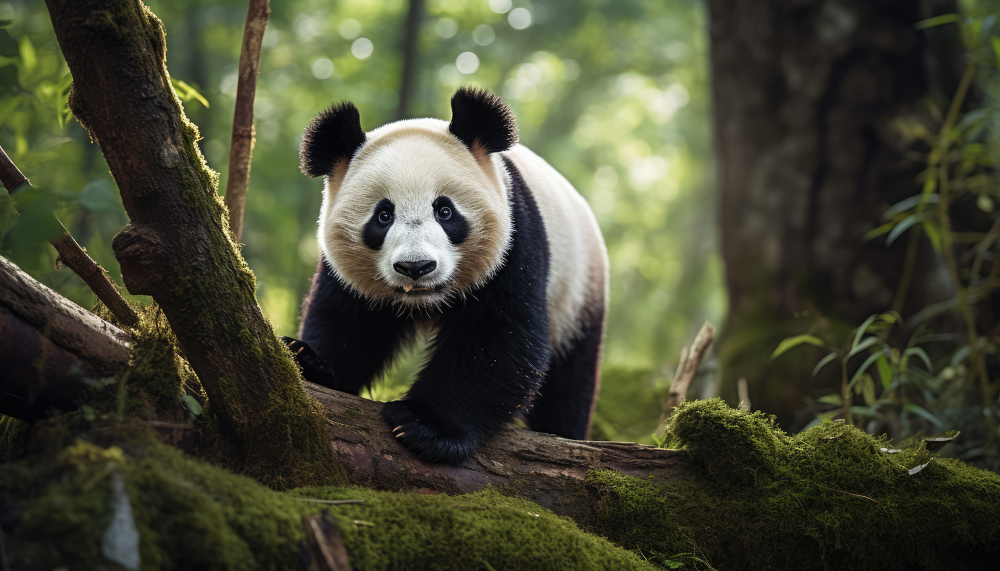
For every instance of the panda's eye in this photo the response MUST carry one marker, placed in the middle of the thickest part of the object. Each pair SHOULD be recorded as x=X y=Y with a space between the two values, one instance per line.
x=444 y=213
x=384 y=217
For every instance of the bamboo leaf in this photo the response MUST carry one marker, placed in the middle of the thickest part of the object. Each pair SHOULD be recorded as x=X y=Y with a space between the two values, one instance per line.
x=861 y=370
x=792 y=342
x=919 y=352
x=876 y=232
x=884 y=371
x=905 y=225
x=835 y=400
x=861 y=330
x=922 y=412
x=863 y=345
x=936 y=21
x=824 y=362
x=868 y=389
x=908 y=203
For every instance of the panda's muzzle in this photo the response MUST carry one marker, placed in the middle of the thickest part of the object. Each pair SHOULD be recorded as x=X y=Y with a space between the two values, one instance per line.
x=415 y=270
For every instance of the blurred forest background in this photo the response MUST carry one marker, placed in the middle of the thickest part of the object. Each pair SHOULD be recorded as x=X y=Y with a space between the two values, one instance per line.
x=618 y=96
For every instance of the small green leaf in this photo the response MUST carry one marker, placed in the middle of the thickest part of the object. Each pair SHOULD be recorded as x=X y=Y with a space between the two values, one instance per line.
x=905 y=225
x=920 y=411
x=863 y=345
x=861 y=370
x=186 y=92
x=876 y=232
x=5 y=23
x=29 y=59
x=868 y=389
x=884 y=371
x=792 y=342
x=88 y=413
x=936 y=21
x=862 y=330
x=193 y=405
x=922 y=354
x=824 y=362
x=996 y=48
x=908 y=203
x=835 y=400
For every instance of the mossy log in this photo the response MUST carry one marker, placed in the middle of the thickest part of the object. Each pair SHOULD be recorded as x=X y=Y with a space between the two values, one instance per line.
x=177 y=247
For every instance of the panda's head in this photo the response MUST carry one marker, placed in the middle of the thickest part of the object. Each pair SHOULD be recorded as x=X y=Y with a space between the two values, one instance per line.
x=414 y=213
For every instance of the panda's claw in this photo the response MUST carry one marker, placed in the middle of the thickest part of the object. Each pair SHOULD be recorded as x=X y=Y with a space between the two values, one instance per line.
x=429 y=441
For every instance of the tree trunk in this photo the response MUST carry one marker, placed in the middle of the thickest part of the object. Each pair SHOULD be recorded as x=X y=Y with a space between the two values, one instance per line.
x=810 y=96
x=177 y=247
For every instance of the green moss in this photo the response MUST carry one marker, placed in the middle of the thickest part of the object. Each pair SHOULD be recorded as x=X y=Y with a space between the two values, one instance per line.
x=13 y=435
x=156 y=380
x=193 y=515
x=827 y=498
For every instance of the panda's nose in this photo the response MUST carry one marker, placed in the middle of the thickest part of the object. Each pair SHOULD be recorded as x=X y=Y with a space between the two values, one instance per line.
x=415 y=270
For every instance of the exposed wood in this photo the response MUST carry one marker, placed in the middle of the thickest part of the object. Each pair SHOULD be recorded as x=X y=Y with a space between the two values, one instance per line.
x=410 y=49
x=177 y=247
x=324 y=544
x=241 y=148
x=688 y=366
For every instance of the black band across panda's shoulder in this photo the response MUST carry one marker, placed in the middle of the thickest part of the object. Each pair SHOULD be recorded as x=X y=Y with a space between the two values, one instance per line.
x=478 y=116
x=334 y=135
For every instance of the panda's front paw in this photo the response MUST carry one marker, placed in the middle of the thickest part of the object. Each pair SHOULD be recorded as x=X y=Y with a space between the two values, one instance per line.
x=431 y=443
x=314 y=368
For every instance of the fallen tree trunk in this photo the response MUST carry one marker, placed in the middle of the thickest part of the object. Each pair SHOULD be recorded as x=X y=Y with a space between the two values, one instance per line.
x=539 y=467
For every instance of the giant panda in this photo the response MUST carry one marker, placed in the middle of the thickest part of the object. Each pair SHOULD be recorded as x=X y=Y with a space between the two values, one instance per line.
x=457 y=230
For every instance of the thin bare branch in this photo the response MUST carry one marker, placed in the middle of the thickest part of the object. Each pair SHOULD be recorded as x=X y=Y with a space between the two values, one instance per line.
x=686 y=370
x=96 y=277
x=241 y=149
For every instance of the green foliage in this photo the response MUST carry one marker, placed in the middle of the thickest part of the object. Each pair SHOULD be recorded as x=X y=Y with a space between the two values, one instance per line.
x=827 y=498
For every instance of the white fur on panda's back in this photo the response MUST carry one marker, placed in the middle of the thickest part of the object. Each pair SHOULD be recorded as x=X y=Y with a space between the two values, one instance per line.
x=578 y=261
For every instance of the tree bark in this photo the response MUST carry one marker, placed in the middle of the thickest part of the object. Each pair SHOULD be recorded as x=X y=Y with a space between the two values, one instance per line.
x=543 y=468
x=810 y=98
x=409 y=47
x=177 y=247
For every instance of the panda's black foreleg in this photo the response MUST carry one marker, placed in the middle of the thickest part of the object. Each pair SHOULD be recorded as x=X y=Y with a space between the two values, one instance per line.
x=347 y=342
x=483 y=372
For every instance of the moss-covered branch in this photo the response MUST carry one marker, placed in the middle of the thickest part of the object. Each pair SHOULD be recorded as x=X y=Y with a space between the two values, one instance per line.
x=177 y=247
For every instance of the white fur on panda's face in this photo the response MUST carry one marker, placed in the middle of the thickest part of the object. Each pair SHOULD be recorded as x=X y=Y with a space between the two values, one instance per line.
x=414 y=194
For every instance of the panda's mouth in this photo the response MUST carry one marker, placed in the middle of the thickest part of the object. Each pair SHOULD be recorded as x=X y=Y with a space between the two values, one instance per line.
x=419 y=289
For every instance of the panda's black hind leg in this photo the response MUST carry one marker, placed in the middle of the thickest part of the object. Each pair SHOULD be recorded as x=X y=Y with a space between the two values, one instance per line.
x=565 y=401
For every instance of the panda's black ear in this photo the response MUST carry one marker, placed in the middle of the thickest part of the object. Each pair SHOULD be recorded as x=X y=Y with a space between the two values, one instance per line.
x=335 y=134
x=478 y=116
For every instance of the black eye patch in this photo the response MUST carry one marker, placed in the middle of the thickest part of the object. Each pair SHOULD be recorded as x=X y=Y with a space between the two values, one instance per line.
x=378 y=225
x=456 y=227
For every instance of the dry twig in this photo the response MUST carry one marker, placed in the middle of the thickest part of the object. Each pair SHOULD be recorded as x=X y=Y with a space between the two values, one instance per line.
x=241 y=148
x=690 y=359
x=324 y=545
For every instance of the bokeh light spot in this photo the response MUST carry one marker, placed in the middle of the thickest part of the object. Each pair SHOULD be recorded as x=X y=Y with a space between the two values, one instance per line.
x=349 y=29
x=467 y=62
x=483 y=35
x=362 y=48
x=519 y=18
x=322 y=68
x=446 y=28
x=500 y=6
